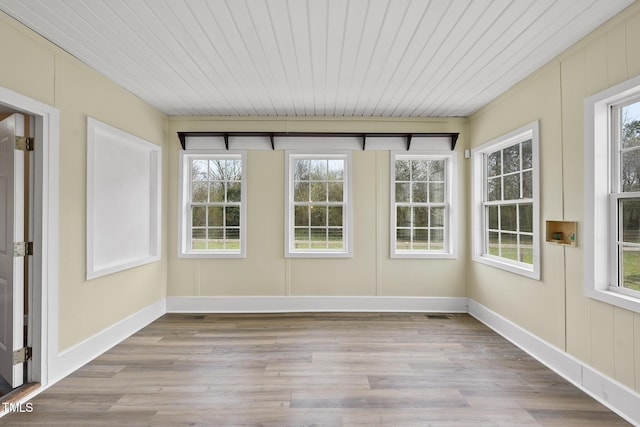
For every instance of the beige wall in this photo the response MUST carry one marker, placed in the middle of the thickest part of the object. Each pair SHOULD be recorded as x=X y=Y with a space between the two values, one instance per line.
x=39 y=70
x=554 y=308
x=265 y=271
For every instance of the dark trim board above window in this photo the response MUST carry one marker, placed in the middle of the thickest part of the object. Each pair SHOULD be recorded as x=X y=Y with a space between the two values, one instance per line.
x=342 y=140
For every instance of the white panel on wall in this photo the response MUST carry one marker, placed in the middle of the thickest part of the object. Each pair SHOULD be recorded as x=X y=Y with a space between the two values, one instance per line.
x=123 y=200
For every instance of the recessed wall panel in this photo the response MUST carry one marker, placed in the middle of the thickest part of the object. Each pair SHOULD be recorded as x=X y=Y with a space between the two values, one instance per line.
x=123 y=200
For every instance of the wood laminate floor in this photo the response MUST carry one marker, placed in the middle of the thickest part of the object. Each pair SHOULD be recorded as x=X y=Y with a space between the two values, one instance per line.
x=314 y=370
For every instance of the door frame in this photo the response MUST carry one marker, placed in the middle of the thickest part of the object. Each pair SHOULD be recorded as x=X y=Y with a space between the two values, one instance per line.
x=43 y=315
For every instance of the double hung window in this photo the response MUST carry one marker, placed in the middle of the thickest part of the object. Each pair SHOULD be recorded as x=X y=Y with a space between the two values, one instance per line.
x=421 y=207
x=625 y=197
x=318 y=208
x=505 y=190
x=213 y=208
x=612 y=195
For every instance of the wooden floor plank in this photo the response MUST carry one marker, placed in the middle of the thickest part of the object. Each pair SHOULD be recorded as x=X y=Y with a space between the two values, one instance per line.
x=332 y=369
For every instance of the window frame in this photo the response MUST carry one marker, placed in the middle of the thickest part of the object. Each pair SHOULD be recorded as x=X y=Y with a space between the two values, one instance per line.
x=449 y=252
x=289 y=250
x=479 y=201
x=184 y=217
x=601 y=262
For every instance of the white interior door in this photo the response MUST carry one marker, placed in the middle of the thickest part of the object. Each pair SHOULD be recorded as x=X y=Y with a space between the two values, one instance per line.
x=11 y=230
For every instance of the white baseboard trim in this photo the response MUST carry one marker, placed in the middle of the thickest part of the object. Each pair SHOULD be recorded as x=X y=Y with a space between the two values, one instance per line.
x=282 y=304
x=67 y=361
x=612 y=394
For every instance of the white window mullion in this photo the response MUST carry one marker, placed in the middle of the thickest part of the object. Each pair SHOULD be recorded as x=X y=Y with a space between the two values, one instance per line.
x=501 y=175
x=616 y=166
x=206 y=225
x=500 y=230
x=521 y=174
x=518 y=251
x=614 y=250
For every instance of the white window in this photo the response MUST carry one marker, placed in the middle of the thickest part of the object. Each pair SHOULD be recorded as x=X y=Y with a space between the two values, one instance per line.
x=318 y=208
x=612 y=195
x=505 y=202
x=212 y=214
x=421 y=205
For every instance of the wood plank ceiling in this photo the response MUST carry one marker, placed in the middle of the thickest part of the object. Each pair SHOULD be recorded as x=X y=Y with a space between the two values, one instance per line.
x=416 y=58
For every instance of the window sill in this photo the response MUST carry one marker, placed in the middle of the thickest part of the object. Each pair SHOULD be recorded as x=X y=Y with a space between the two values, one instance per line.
x=614 y=298
x=318 y=255
x=423 y=255
x=211 y=255
x=512 y=268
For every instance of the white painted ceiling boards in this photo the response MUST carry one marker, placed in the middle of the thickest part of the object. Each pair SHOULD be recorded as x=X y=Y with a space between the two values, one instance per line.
x=414 y=58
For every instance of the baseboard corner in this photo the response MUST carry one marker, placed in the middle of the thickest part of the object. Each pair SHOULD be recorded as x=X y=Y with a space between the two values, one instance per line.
x=616 y=396
x=67 y=361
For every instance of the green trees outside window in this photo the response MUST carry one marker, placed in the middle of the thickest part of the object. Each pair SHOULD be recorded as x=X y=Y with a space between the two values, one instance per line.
x=215 y=203
x=420 y=204
x=627 y=195
x=508 y=202
x=318 y=203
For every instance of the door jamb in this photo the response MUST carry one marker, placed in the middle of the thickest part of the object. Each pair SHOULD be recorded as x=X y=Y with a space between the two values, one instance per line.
x=44 y=308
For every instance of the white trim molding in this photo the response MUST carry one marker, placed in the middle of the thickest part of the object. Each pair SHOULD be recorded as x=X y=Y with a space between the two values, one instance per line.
x=283 y=304
x=43 y=316
x=612 y=394
x=71 y=359
x=124 y=199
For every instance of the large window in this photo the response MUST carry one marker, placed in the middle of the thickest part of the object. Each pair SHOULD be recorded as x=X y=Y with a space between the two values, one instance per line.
x=318 y=208
x=612 y=195
x=421 y=208
x=505 y=189
x=625 y=196
x=213 y=209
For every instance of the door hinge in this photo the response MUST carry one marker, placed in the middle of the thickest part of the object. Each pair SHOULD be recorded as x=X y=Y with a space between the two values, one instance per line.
x=22 y=249
x=22 y=355
x=24 y=143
